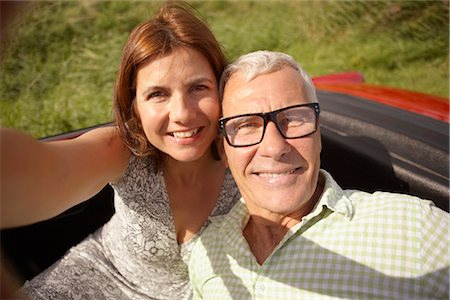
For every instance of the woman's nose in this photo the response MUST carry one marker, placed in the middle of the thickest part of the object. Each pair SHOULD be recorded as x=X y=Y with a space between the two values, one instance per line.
x=182 y=109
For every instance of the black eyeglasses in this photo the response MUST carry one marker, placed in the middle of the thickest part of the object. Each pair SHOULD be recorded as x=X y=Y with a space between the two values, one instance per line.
x=292 y=122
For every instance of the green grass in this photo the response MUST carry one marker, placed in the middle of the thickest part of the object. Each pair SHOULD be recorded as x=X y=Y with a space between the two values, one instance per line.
x=58 y=69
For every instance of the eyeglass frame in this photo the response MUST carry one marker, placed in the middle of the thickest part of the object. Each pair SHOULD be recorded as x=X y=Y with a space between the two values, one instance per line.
x=267 y=117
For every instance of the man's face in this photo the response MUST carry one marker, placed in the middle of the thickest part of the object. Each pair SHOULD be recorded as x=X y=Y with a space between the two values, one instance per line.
x=278 y=176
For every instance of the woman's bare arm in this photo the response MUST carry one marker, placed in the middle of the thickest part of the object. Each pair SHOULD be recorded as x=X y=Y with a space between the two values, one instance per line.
x=39 y=180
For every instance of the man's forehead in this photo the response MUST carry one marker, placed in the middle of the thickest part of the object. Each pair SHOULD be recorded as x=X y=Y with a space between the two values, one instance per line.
x=233 y=87
x=264 y=93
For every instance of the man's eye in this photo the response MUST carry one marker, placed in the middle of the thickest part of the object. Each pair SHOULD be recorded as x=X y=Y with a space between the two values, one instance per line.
x=247 y=128
x=295 y=121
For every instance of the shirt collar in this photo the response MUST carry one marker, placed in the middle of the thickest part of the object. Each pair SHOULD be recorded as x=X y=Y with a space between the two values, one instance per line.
x=237 y=217
x=333 y=198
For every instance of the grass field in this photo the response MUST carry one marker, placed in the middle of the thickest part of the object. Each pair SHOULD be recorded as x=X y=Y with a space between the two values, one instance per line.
x=59 y=65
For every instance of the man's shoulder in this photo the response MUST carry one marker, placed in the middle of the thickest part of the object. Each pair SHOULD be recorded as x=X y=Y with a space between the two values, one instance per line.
x=390 y=202
x=382 y=202
x=223 y=225
x=212 y=241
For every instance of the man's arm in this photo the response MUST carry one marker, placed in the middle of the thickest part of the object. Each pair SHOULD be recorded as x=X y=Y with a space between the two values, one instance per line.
x=39 y=180
x=434 y=250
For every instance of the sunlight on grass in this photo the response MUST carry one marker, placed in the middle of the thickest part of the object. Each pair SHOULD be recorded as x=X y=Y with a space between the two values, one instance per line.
x=57 y=74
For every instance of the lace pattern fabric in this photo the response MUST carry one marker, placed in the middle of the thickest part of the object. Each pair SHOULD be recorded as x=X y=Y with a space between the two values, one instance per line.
x=135 y=255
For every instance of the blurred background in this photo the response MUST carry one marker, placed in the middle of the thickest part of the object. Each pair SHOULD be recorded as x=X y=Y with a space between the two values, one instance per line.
x=59 y=58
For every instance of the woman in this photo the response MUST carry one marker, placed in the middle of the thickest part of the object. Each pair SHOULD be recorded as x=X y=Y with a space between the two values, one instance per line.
x=168 y=179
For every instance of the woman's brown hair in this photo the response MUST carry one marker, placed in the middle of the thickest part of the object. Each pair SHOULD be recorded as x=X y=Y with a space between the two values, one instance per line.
x=175 y=25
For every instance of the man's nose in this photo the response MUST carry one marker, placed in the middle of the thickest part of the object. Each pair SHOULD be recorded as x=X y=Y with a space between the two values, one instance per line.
x=273 y=144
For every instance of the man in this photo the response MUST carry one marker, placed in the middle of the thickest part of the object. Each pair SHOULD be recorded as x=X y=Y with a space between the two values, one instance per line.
x=296 y=234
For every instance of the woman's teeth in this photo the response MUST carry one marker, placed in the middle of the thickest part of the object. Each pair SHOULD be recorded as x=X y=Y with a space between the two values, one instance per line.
x=184 y=134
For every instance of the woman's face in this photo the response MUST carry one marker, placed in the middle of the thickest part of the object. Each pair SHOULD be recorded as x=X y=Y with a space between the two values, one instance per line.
x=177 y=101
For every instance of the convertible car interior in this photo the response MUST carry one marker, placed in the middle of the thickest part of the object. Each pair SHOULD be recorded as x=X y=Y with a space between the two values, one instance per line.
x=366 y=145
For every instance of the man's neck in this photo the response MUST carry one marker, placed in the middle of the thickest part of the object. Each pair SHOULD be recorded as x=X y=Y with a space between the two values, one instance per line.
x=263 y=236
x=264 y=233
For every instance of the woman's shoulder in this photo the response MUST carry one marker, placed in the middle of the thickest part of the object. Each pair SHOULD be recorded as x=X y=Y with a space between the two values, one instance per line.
x=139 y=169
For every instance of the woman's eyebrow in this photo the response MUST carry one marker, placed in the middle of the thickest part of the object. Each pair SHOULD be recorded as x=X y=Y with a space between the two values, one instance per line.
x=152 y=88
x=199 y=80
x=191 y=82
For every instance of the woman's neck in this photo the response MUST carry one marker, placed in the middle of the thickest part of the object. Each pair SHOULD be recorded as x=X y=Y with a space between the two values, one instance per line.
x=190 y=173
x=193 y=189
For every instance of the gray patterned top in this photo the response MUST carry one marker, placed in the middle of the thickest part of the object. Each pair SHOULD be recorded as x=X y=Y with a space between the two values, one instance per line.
x=135 y=255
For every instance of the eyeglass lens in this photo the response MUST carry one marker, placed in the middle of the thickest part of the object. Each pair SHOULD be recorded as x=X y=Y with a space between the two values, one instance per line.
x=292 y=123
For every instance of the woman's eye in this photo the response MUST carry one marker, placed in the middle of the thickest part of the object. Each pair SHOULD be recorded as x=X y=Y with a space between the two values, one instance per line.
x=199 y=87
x=155 y=95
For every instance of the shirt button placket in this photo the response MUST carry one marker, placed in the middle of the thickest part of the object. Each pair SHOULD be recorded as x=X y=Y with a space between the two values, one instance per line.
x=260 y=290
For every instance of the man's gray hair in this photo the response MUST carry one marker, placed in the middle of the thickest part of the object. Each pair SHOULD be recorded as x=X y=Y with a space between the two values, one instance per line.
x=262 y=62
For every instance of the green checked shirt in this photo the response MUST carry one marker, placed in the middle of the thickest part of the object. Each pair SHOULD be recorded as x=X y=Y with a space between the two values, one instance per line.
x=353 y=245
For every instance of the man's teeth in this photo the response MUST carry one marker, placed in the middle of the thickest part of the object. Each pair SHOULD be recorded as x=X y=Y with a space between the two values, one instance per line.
x=275 y=175
x=184 y=134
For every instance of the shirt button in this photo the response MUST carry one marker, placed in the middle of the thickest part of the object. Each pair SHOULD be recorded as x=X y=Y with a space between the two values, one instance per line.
x=260 y=287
